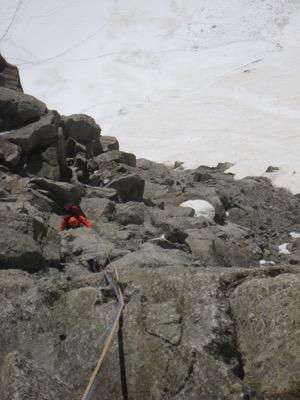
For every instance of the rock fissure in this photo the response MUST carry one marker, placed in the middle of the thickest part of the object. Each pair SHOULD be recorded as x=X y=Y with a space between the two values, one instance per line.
x=188 y=376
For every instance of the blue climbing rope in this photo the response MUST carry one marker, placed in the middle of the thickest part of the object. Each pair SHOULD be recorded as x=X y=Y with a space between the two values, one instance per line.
x=111 y=329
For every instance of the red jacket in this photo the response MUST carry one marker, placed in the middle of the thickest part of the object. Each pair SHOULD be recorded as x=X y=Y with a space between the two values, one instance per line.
x=81 y=219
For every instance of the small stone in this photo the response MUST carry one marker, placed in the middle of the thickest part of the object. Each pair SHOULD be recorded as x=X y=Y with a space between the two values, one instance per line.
x=178 y=164
x=271 y=169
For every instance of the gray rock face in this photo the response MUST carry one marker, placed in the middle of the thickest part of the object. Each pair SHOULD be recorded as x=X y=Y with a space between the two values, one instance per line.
x=254 y=203
x=117 y=156
x=85 y=244
x=65 y=172
x=225 y=245
x=106 y=193
x=81 y=128
x=23 y=379
x=19 y=250
x=39 y=326
x=10 y=153
x=35 y=136
x=43 y=164
x=98 y=209
x=18 y=109
x=9 y=76
x=210 y=174
x=60 y=192
x=73 y=147
x=109 y=143
x=130 y=213
x=170 y=338
x=129 y=188
x=151 y=256
x=267 y=314
x=155 y=172
x=24 y=238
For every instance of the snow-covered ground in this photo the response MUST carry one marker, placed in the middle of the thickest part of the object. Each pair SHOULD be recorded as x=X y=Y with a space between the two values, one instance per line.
x=200 y=81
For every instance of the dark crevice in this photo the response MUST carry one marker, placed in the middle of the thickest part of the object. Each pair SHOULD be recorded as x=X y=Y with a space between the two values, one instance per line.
x=122 y=360
x=188 y=375
x=239 y=369
x=162 y=338
x=227 y=287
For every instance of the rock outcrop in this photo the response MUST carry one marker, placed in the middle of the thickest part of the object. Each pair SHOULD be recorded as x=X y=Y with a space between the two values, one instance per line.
x=211 y=304
x=9 y=76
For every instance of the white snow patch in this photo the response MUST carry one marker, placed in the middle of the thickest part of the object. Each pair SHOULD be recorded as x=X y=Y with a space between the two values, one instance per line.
x=201 y=207
x=283 y=248
x=200 y=81
x=265 y=263
x=295 y=235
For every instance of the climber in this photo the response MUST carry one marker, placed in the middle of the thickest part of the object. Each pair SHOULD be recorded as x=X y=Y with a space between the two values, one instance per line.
x=74 y=218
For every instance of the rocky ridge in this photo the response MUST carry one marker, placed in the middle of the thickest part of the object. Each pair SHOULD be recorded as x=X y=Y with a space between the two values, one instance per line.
x=212 y=304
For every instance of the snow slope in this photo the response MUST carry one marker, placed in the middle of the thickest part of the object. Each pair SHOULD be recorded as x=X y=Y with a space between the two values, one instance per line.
x=200 y=81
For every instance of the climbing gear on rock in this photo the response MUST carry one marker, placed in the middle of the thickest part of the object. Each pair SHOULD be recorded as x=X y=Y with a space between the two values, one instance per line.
x=114 y=284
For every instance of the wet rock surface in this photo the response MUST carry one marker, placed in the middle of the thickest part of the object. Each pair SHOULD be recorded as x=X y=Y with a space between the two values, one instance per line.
x=212 y=305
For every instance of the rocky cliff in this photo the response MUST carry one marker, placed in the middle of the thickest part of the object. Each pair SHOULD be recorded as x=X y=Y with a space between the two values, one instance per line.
x=212 y=301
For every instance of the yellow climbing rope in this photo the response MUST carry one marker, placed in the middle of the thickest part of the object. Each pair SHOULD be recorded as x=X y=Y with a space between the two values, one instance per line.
x=120 y=306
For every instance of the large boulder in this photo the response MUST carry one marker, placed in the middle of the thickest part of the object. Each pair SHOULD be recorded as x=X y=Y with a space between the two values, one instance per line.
x=9 y=76
x=43 y=164
x=18 y=109
x=129 y=187
x=85 y=244
x=152 y=256
x=130 y=213
x=52 y=325
x=101 y=192
x=154 y=194
x=24 y=238
x=116 y=156
x=155 y=172
x=50 y=162
x=183 y=335
x=109 y=143
x=211 y=175
x=61 y=192
x=226 y=246
x=81 y=128
x=98 y=209
x=266 y=311
x=37 y=135
x=18 y=248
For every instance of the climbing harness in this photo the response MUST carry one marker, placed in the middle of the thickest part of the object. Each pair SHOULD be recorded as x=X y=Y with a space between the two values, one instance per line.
x=114 y=284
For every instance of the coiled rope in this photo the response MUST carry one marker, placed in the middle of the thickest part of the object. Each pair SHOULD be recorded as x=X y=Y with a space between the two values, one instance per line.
x=111 y=331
